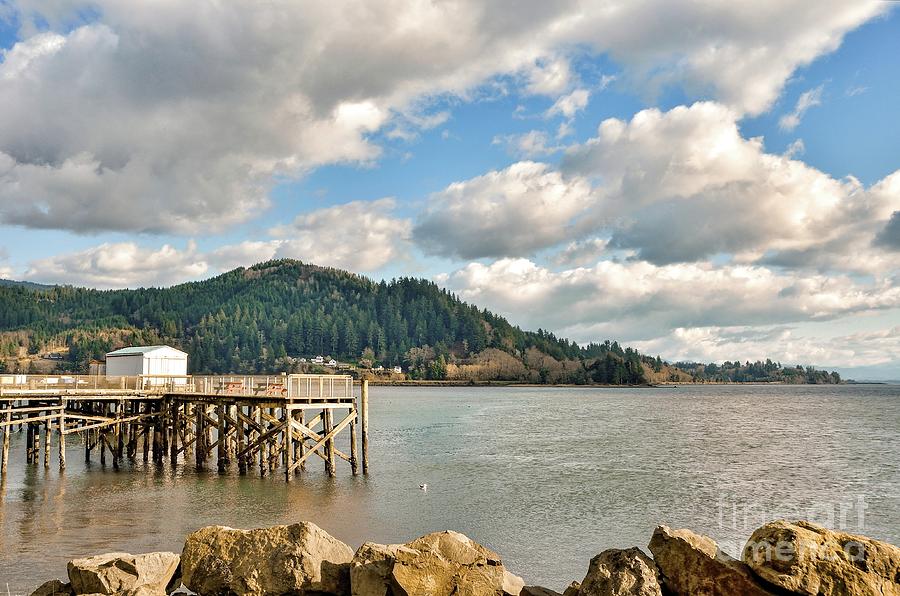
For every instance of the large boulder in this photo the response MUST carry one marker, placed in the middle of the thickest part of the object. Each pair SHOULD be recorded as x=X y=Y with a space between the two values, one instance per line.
x=299 y=559
x=808 y=559
x=616 y=572
x=438 y=564
x=124 y=574
x=691 y=564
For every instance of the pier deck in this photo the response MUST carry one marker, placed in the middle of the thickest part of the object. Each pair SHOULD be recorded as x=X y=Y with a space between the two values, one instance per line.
x=273 y=421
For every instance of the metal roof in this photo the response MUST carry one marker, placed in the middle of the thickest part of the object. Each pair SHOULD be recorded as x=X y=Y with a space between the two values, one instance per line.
x=140 y=350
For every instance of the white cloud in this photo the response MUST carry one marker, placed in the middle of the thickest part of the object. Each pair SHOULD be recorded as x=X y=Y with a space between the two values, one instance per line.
x=571 y=104
x=243 y=254
x=807 y=99
x=684 y=185
x=118 y=265
x=510 y=212
x=173 y=116
x=787 y=345
x=582 y=252
x=549 y=77
x=643 y=303
x=669 y=187
x=534 y=143
x=359 y=236
x=795 y=149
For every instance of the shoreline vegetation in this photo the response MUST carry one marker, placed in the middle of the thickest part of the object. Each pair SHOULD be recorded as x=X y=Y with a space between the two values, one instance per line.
x=280 y=316
x=375 y=382
x=780 y=557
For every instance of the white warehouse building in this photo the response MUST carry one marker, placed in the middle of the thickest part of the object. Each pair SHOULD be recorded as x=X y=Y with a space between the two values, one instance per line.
x=146 y=360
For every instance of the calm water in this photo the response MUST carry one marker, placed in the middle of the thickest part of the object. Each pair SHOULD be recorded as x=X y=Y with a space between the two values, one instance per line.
x=546 y=477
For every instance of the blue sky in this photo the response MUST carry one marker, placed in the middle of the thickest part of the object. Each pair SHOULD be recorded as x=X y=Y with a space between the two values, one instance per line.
x=704 y=181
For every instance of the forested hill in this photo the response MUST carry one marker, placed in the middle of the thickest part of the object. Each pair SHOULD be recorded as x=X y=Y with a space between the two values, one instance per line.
x=265 y=318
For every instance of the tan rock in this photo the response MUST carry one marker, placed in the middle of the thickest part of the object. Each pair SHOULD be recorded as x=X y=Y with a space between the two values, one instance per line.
x=371 y=568
x=123 y=573
x=300 y=559
x=808 y=559
x=54 y=587
x=693 y=565
x=438 y=564
x=616 y=572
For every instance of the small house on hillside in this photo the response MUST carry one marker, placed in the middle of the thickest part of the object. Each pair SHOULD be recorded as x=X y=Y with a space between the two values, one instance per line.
x=146 y=360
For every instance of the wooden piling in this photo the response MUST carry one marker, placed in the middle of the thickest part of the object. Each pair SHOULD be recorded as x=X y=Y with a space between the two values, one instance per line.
x=299 y=444
x=220 y=443
x=4 y=462
x=328 y=417
x=176 y=426
x=354 y=455
x=288 y=445
x=262 y=448
x=364 y=422
x=241 y=457
x=200 y=434
x=62 y=436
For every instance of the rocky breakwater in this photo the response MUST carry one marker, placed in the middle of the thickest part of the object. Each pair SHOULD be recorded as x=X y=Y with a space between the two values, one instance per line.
x=302 y=559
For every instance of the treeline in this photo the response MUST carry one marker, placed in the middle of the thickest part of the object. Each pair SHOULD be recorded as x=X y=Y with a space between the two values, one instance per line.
x=264 y=318
x=758 y=372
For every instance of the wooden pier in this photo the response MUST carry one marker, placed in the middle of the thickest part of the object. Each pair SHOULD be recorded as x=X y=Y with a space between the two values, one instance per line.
x=266 y=422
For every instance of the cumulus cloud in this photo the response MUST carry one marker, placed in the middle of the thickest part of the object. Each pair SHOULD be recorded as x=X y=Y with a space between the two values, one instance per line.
x=582 y=252
x=807 y=99
x=684 y=185
x=571 y=104
x=173 y=116
x=534 y=143
x=641 y=301
x=515 y=211
x=243 y=254
x=549 y=77
x=6 y=271
x=360 y=236
x=669 y=187
x=121 y=264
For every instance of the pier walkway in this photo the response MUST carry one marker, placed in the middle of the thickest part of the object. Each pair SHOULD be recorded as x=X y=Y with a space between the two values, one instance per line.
x=274 y=421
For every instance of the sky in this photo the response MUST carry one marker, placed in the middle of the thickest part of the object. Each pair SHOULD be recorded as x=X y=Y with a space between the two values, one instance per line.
x=706 y=180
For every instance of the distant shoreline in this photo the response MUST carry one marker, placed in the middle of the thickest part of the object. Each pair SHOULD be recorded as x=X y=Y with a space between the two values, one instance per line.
x=667 y=385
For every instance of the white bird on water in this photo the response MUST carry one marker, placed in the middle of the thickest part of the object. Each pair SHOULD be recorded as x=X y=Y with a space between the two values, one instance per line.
x=423 y=486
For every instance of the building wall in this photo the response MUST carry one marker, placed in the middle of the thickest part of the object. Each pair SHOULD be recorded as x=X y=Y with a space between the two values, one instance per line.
x=165 y=361
x=125 y=366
